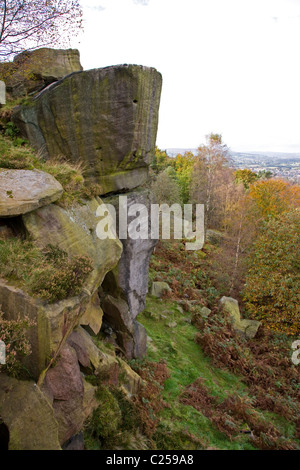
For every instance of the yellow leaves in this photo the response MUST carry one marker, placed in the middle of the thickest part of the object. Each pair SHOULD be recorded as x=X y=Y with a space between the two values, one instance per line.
x=273 y=197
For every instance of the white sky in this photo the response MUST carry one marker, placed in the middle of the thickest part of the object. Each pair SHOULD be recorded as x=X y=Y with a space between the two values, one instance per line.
x=228 y=66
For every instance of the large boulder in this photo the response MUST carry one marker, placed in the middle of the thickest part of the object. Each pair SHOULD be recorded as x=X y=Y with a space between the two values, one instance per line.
x=28 y=415
x=31 y=71
x=23 y=191
x=74 y=231
x=113 y=127
x=247 y=328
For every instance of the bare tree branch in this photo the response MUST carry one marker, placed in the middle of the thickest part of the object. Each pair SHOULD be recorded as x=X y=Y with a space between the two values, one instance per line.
x=27 y=25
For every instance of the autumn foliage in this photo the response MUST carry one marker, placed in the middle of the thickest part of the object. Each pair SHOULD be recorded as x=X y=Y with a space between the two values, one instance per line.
x=273 y=282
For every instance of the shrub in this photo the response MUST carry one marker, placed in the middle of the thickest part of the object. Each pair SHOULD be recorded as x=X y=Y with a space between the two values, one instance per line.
x=106 y=418
x=15 y=153
x=13 y=334
x=55 y=276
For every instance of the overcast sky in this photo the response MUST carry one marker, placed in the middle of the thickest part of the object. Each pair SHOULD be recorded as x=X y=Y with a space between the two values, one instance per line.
x=228 y=66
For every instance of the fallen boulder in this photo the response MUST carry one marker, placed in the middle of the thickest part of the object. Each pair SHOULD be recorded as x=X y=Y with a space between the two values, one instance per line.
x=248 y=328
x=159 y=288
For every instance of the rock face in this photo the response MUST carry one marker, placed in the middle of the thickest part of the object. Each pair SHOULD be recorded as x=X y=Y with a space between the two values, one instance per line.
x=64 y=385
x=106 y=119
x=114 y=125
x=53 y=322
x=248 y=328
x=103 y=362
x=28 y=415
x=127 y=285
x=74 y=231
x=23 y=191
x=133 y=267
x=32 y=71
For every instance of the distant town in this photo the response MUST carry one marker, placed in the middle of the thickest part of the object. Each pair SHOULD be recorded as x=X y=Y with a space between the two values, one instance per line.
x=281 y=165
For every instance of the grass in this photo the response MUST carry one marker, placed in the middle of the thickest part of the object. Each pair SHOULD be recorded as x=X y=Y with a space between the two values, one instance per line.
x=186 y=363
x=48 y=274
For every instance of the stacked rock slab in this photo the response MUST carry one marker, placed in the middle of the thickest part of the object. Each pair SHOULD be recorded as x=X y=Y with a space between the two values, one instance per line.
x=105 y=118
x=32 y=71
x=23 y=191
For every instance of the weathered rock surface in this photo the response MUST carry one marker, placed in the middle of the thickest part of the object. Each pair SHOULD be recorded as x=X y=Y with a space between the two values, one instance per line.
x=28 y=415
x=63 y=383
x=205 y=312
x=104 y=362
x=129 y=280
x=93 y=315
x=31 y=71
x=52 y=322
x=23 y=191
x=159 y=288
x=114 y=125
x=131 y=276
x=131 y=335
x=248 y=328
x=74 y=231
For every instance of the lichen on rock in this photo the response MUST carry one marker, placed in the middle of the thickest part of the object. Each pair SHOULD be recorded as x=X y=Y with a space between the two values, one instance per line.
x=113 y=127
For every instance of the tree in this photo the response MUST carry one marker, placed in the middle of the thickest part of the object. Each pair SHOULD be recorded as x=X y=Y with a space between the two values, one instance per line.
x=210 y=177
x=160 y=160
x=183 y=165
x=166 y=189
x=245 y=176
x=26 y=25
x=273 y=281
x=273 y=197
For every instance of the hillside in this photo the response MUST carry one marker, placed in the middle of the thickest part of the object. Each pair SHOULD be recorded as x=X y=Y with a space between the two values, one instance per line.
x=222 y=391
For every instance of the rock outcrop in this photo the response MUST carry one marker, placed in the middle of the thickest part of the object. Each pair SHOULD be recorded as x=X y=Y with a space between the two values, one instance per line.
x=53 y=322
x=106 y=119
x=23 y=191
x=124 y=290
x=64 y=385
x=113 y=127
x=133 y=267
x=32 y=71
x=74 y=231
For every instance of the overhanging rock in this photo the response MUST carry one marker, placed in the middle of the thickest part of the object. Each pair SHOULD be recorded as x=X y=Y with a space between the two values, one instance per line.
x=113 y=125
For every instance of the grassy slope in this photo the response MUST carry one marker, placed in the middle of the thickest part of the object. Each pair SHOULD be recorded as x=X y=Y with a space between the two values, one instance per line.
x=185 y=359
x=186 y=363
